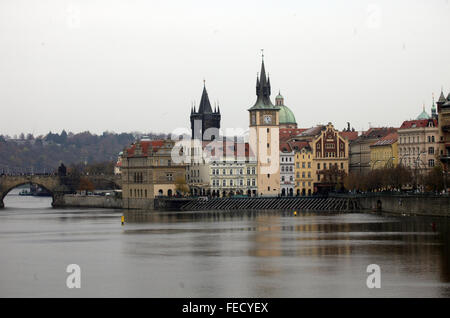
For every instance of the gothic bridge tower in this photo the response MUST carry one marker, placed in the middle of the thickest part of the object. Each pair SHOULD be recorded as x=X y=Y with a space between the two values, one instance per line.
x=205 y=123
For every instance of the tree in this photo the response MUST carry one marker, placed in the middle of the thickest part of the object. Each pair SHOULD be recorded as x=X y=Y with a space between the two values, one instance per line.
x=85 y=185
x=181 y=185
x=334 y=176
x=434 y=181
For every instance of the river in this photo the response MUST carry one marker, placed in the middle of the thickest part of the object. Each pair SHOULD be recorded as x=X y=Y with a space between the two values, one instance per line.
x=218 y=254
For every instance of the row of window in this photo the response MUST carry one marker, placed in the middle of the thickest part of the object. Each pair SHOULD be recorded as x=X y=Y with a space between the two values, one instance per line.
x=418 y=163
x=303 y=175
x=138 y=177
x=232 y=183
x=330 y=154
x=414 y=150
x=413 y=139
x=330 y=165
x=138 y=193
x=303 y=164
x=329 y=146
x=287 y=168
x=240 y=171
x=303 y=156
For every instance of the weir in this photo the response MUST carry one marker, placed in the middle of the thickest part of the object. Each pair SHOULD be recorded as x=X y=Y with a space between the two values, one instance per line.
x=274 y=203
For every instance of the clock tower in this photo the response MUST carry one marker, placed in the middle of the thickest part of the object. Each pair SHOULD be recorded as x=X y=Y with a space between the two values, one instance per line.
x=264 y=137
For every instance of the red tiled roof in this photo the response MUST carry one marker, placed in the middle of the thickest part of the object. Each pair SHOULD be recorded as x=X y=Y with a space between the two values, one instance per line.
x=349 y=135
x=313 y=131
x=419 y=123
x=299 y=145
x=226 y=148
x=287 y=133
x=145 y=144
x=386 y=140
x=285 y=147
x=376 y=133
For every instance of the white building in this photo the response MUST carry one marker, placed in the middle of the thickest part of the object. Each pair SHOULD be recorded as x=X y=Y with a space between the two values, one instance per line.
x=221 y=168
x=287 y=173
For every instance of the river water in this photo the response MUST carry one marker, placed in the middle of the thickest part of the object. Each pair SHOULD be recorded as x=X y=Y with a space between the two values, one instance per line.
x=218 y=254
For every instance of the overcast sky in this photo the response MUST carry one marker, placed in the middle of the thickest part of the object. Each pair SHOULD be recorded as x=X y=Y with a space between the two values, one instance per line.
x=137 y=65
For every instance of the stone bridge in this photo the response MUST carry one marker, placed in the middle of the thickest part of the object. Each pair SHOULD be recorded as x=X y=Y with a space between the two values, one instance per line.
x=55 y=184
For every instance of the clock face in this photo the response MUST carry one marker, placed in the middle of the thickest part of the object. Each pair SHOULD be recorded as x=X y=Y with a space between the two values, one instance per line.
x=267 y=119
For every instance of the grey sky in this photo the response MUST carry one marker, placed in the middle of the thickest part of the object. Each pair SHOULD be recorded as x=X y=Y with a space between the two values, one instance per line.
x=137 y=65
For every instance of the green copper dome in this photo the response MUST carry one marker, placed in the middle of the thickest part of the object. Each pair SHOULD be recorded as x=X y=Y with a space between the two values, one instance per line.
x=423 y=115
x=286 y=115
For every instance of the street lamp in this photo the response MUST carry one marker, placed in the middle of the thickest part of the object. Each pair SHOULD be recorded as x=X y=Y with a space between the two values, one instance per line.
x=401 y=158
x=417 y=163
x=391 y=158
x=373 y=165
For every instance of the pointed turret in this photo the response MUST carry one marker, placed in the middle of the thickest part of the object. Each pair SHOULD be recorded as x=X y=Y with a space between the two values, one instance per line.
x=441 y=98
x=263 y=91
x=433 y=109
x=257 y=83
x=205 y=105
x=279 y=100
x=205 y=123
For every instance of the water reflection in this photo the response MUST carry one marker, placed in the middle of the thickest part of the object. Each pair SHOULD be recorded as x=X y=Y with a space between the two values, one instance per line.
x=220 y=254
x=409 y=245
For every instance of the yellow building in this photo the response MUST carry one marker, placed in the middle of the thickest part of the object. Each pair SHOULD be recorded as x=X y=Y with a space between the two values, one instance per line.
x=330 y=155
x=304 y=169
x=148 y=172
x=384 y=153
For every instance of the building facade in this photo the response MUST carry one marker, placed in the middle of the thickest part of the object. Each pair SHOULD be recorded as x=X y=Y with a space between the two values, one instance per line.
x=444 y=130
x=287 y=167
x=148 y=172
x=304 y=169
x=221 y=169
x=359 y=155
x=330 y=156
x=384 y=153
x=418 y=144
x=264 y=137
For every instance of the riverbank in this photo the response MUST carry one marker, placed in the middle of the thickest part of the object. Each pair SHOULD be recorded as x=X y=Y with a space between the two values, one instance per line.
x=88 y=201
x=403 y=204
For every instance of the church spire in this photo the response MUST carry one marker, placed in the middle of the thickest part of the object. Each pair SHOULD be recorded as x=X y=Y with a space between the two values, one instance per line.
x=205 y=105
x=433 y=108
x=441 y=99
x=263 y=89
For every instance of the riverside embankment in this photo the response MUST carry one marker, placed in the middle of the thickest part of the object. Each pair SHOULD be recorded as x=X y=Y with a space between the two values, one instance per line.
x=88 y=201
x=402 y=204
x=406 y=204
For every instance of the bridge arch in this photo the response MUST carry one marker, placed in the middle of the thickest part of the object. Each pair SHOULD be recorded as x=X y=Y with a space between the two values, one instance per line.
x=51 y=183
x=4 y=193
